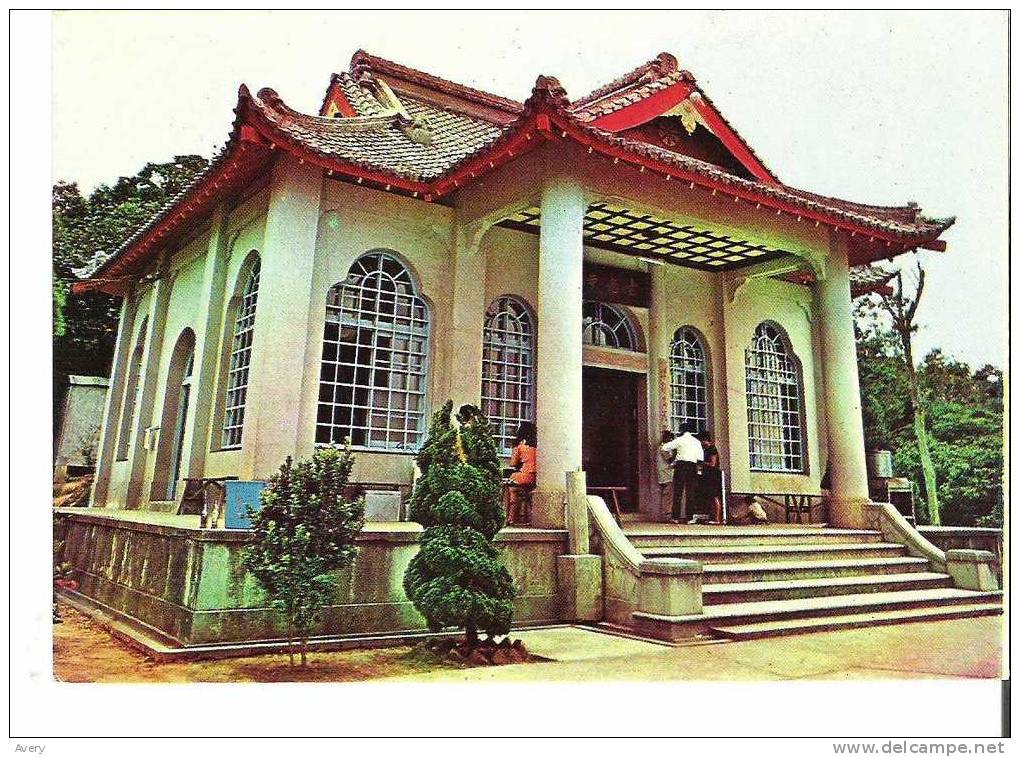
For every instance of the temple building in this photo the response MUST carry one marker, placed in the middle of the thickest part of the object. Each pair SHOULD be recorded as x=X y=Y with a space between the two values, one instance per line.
x=608 y=267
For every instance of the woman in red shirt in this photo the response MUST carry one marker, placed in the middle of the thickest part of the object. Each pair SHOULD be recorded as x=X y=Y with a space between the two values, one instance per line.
x=524 y=459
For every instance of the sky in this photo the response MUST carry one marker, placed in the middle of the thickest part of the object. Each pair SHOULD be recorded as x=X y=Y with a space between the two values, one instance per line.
x=876 y=107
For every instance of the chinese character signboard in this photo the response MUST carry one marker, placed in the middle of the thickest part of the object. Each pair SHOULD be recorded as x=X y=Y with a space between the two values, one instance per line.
x=616 y=285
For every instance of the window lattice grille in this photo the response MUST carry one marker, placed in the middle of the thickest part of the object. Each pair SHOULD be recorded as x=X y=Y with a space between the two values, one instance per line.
x=240 y=361
x=508 y=368
x=372 y=386
x=607 y=326
x=775 y=437
x=688 y=381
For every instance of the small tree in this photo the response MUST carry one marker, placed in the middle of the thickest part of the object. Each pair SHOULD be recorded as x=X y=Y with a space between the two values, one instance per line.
x=901 y=306
x=457 y=578
x=303 y=536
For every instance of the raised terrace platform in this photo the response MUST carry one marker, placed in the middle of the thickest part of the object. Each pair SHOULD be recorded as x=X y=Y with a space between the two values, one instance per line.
x=184 y=586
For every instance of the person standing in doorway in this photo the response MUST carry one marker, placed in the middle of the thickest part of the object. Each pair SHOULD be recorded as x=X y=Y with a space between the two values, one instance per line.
x=689 y=453
x=710 y=484
x=664 y=471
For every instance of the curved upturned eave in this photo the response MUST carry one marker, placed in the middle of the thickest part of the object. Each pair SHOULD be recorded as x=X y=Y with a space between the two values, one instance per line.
x=256 y=134
x=236 y=164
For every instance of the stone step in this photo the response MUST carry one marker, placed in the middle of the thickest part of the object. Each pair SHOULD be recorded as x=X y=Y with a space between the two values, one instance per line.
x=718 y=573
x=728 y=535
x=673 y=628
x=763 y=591
x=740 y=553
x=860 y=620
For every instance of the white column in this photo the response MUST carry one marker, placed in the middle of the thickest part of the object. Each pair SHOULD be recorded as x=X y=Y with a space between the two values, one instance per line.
x=208 y=322
x=138 y=455
x=661 y=322
x=558 y=383
x=847 y=468
x=464 y=349
x=281 y=355
x=114 y=399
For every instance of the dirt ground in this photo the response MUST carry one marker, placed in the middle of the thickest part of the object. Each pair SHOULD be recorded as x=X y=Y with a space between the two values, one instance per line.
x=84 y=651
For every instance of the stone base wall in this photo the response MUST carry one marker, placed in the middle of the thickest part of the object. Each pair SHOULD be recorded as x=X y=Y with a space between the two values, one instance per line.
x=190 y=587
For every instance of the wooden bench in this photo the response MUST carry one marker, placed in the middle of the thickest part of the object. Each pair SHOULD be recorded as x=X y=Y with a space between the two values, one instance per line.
x=357 y=489
x=196 y=500
x=525 y=500
x=793 y=503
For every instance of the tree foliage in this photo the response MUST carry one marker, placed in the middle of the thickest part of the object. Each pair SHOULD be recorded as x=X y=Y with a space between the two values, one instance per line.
x=457 y=578
x=303 y=537
x=964 y=422
x=84 y=228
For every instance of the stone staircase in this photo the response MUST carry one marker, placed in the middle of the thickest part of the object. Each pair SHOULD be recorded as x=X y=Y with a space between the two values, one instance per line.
x=776 y=580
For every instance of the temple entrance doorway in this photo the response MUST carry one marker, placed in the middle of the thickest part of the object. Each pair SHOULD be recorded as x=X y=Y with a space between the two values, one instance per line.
x=609 y=440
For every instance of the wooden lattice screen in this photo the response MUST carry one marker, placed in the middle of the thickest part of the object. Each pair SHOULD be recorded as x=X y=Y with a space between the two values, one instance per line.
x=619 y=229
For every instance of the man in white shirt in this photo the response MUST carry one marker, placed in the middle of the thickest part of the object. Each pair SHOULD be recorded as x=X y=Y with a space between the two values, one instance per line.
x=689 y=452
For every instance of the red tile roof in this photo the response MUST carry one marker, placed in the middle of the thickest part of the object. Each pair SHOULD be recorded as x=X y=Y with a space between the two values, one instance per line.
x=425 y=136
x=645 y=80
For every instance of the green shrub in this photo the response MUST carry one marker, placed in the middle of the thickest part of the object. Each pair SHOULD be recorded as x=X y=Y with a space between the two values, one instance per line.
x=457 y=578
x=303 y=536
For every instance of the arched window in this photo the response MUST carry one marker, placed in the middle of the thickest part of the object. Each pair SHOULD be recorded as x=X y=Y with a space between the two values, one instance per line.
x=607 y=326
x=774 y=424
x=688 y=380
x=173 y=427
x=131 y=390
x=240 y=360
x=372 y=386
x=508 y=368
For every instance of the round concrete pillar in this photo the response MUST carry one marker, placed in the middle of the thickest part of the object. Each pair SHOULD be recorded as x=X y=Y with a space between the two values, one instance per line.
x=847 y=468
x=558 y=383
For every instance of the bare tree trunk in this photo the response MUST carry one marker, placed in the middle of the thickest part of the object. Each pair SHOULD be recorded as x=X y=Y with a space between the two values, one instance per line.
x=290 y=640
x=304 y=649
x=921 y=430
x=927 y=468
x=902 y=309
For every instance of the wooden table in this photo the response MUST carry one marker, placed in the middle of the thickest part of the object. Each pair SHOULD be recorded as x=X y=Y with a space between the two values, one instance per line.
x=614 y=494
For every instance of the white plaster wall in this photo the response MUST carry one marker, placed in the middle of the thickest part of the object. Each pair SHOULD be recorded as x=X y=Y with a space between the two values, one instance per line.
x=120 y=469
x=355 y=221
x=511 y=259
x=186 y=269
x=685 y=297
x=790 y=306
x=245 y=229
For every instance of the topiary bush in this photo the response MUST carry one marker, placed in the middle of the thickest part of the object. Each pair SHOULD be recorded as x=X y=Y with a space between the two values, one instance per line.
x=457 y=578
x=303 y=536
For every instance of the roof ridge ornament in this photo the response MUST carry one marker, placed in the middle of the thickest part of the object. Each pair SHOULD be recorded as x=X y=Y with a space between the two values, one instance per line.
x=417 y=128
x=665 y=63
x=548 y=90
x=364 y=63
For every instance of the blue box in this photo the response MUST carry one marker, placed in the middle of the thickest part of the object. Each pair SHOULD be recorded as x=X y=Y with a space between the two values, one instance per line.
x=241 y=495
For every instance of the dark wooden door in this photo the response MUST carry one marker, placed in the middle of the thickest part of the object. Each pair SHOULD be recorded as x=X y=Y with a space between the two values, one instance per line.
x=610 y=431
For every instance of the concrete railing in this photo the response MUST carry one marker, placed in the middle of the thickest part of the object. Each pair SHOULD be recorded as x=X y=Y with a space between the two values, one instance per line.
x=882 y=516
x=966 y=537
x=969 y=568
x=633 y=583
